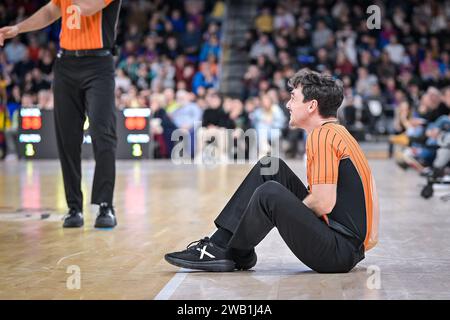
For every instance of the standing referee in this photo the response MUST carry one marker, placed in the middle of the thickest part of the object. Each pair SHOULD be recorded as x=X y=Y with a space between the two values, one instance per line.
x=83 y=84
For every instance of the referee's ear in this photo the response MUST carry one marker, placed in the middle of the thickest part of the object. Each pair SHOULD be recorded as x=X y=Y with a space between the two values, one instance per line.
x=313 y=106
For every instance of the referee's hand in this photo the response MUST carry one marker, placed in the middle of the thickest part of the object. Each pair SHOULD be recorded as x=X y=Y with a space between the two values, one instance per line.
x=8 y=33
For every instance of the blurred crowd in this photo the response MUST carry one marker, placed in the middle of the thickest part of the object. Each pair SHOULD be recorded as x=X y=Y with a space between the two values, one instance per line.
x=170 y=54
x=423 y=134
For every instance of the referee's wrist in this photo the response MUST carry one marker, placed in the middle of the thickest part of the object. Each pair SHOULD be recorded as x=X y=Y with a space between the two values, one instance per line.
x=17 y=28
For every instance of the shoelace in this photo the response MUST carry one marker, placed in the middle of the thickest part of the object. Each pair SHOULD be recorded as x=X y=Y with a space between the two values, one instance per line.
x=197 y=242
x=69 y=214
x=104 y=211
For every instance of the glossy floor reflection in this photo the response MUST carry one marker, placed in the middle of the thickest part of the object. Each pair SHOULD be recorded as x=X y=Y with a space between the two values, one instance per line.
x=162 y=207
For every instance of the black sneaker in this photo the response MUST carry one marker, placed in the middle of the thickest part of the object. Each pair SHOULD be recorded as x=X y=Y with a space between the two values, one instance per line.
x=244 y=261
x=203 y=255
x=73 y=219
x=106 y=217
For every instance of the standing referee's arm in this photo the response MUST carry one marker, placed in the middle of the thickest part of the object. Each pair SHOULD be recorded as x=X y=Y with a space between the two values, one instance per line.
x=42 y=18
x=90 y=7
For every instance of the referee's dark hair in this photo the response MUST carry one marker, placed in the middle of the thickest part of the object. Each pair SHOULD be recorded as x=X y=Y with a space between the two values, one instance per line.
x=328 y=92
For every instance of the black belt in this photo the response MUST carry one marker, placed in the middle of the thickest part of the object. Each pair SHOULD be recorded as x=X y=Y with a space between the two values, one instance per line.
x=85 y=53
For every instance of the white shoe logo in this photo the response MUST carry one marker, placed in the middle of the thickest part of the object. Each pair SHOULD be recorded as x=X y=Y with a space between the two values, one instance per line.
x=203 y=251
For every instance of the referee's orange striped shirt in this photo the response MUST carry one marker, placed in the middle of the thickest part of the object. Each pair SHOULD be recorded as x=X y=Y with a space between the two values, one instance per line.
x=80 y=32
x=326 y=146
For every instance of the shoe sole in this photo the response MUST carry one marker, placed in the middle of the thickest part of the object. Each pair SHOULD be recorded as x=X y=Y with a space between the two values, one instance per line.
x=73 y=225
x=214 y=266
x=104 y=226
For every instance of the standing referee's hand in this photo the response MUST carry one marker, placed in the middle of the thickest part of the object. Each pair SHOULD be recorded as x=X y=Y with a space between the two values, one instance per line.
x=8 y=33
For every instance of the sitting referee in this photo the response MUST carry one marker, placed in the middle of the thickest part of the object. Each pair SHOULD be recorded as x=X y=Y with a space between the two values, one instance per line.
x=329 y=225
x=83 y=84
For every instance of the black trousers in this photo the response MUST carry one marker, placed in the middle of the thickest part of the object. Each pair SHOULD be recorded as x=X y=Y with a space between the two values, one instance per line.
x=264 y=201
x=85 y=85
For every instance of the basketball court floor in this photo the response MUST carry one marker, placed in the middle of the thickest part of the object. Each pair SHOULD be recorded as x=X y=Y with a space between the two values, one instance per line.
x=162 y=207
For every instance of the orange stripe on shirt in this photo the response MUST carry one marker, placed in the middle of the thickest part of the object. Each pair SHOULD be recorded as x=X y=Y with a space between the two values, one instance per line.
x=88 y=36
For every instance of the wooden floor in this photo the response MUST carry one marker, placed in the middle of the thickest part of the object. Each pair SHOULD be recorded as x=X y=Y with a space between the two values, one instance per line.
x=162 y=207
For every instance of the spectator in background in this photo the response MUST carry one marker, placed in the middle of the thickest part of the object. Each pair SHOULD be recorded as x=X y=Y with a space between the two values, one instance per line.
x=212 y=47
x=218 y=12
x=402 y=118
x=395 y=50
x=4 y=82
x=131 y=99
x=4 y=125
x=238 y=115
x=323 y=63
x=444 y=66
x=184 y=71
x=150 y=51
x=204 y=78
x=195 y=12
x=386 y=68
x=191 y=40
x=429 y=68
x=320 y=35
x=187 y=117
x=268 y=121
x=33 y=49
x=374 y=105
x=164 y=74
x=27 y=101
x=123 y=82
x=15 y=51
x=435 y=107
x=177 y=21
x=39 y=83
x=21 y=68
x=365 y=82
x=45 y=64
x=251 y=81
x=283 y=19
x=214 y=115
x=171 y=49
x=265 y=66
x=12 y=137
x=343 y=66
x=264 y=21
x=212 y=30
x=212 y=133
x=161 y=126
x=240 y=123
x=263 y=47
x=129 y=66
x=144 y=77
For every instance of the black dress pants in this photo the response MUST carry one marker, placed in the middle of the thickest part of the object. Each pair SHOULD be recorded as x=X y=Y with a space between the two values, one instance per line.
x=264 y=201
x=85 y=85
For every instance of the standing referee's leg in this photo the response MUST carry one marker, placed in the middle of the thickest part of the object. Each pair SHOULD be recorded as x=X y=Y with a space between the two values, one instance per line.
x=69 y=112
x=100 y=102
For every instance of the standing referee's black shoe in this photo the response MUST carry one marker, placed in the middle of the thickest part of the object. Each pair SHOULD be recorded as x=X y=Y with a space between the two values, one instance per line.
x=73 y=219
x=106 y=217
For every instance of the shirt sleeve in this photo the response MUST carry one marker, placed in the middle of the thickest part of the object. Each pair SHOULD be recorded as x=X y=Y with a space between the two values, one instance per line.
x=325 y=151
x=107 y=2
